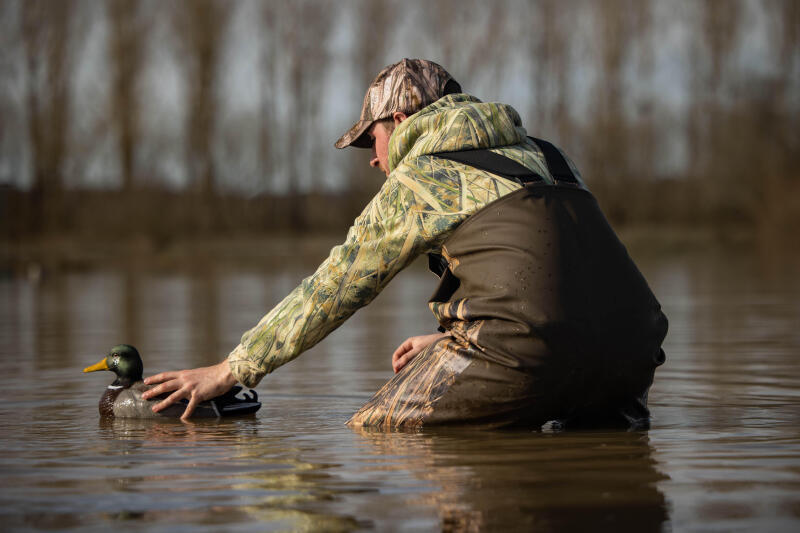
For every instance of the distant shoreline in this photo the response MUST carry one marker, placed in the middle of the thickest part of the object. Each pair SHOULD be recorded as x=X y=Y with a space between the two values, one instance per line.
x=75 y=252
x=157 y=229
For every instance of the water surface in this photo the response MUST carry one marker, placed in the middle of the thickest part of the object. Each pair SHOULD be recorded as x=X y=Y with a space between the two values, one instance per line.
x=723 y=453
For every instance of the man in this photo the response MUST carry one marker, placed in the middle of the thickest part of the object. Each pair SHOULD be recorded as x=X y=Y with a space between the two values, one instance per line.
x=543 y=315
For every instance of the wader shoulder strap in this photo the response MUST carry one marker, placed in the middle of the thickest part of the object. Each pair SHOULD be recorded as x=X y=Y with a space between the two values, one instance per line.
x=508 y=168
x=556 y=163
x=494 y=163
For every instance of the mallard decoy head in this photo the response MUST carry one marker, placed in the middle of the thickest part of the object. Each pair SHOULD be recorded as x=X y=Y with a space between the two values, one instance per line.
x=124 y=361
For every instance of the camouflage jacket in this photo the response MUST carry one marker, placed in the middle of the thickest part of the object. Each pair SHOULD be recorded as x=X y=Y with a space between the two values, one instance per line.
x=422 y=202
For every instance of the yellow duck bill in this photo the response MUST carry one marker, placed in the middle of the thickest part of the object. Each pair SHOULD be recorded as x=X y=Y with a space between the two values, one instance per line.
x=102 y=365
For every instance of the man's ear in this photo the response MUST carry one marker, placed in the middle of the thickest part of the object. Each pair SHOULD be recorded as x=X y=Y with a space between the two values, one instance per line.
x=398 y=117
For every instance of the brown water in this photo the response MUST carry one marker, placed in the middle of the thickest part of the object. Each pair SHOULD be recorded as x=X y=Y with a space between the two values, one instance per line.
x=723 y=453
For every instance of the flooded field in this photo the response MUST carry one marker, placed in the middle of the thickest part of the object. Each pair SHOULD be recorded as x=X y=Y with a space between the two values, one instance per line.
x=723 y=453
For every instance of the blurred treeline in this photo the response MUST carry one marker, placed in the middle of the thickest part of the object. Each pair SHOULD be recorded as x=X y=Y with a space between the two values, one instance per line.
x=200 y=117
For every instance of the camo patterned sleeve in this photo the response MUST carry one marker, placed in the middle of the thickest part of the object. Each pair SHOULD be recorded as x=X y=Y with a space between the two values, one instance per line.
x=415 y=211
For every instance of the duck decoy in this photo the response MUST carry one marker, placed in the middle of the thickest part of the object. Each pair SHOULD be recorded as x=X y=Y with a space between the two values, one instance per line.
x=123 y=398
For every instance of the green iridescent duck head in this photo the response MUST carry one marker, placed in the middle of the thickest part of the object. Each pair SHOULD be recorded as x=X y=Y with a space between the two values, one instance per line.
x=124 y=361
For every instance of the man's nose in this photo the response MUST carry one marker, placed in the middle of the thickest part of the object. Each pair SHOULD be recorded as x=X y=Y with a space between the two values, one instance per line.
x=373 y=162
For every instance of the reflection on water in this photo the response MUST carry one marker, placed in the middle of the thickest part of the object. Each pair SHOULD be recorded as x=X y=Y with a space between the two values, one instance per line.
x=511 y=480
x=723 y=453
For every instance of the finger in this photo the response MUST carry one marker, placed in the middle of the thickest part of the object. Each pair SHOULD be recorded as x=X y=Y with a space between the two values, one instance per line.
x=403 y=348
x=403 y=361
x=397 y=353
x=398 y=366
x=399 y=357
x=161 y=389
x=160 y=378
x=193 y=401
x=172 y=398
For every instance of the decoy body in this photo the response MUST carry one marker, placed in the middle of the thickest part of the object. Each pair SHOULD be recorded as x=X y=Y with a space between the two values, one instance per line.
x=123 y=398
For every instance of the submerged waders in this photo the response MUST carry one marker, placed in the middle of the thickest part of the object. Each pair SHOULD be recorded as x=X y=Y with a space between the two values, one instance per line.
x=547 y=316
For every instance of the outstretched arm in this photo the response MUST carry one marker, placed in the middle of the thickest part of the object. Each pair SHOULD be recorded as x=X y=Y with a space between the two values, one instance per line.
x=383 y=240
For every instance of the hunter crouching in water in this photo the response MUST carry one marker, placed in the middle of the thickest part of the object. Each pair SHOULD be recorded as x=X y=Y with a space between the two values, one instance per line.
x=543 y=315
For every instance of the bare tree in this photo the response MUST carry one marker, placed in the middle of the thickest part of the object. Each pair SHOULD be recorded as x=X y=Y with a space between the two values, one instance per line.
x=376 y=23
x=718 y=21
x=642 y=130
x=471 y=35
x=268 y=97
x=47 y=57
x=303 y=35
x=720 y=27
x=550 y=73
x=775 y=128
x=200 y=26
x=126 y=46
x=608 y=146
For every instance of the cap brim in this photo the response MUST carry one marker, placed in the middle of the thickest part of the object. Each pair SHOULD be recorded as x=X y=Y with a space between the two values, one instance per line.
x=356 y=136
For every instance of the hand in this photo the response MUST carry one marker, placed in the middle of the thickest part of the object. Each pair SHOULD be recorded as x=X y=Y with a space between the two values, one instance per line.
x=197 y=385
x=410 y=348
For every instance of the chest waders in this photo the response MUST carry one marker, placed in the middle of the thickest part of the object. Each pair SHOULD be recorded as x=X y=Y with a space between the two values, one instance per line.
x=547 y=316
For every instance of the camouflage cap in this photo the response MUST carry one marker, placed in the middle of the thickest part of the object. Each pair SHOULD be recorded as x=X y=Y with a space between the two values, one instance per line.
x=406 y=86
